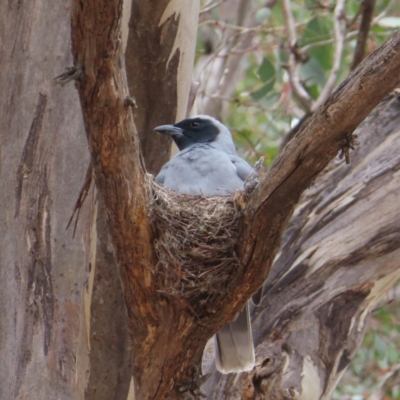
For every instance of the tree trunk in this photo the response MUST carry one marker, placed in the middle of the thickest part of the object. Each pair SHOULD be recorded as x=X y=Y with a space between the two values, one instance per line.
x=156 y=315
x=47 y=322
x=339 y=257
x=80 y=347
x=219 y=72
x=159 y=63
x=44 y=159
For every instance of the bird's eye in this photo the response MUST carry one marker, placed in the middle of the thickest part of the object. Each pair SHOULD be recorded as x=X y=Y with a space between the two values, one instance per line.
x=195 y=124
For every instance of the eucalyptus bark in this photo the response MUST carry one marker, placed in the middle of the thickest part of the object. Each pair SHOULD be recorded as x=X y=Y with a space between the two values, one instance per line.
x=338 y=258
x=46 y=271
x=44 y=159
x=159 y=62
x=43 y=269
x=219 y=71
x=123 y=185
x=125 y=189
x=159 y=59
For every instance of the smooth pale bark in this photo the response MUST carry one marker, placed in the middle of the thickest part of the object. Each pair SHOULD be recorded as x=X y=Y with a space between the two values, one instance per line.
x=339 y=257
x=108 y=336
x=43 y=269
x=159 y=62
x=46 y=323
x=219 y=72
x=328 y=131
x=110 y=355
x=155 y=318
x=44 y=159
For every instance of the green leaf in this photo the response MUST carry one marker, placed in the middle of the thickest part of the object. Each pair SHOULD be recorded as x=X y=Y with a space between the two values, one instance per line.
x=314 y=91
x=263 y=14
x=260 y=93
x=389 y=22
x=380 y=347
x=317 y=30
x=317 y=27
x=311 y=73
x=393 y=355
x=266 y=71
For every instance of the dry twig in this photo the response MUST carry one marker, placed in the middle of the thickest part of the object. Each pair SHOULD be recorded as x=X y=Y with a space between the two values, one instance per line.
x=367 y=11
x=338 y=28
x=294 y=65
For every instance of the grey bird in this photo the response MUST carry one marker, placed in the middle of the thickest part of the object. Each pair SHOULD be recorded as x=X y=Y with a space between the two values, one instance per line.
x=207 y=165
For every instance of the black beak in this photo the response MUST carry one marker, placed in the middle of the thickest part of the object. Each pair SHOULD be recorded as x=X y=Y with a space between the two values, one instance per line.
x=169 y=130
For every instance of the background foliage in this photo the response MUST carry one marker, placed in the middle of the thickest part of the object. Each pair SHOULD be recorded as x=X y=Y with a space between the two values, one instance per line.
x=249 y=46
x=262 y=107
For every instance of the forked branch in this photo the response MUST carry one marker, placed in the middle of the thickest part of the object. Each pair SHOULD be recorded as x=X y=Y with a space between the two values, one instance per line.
x=155 y=316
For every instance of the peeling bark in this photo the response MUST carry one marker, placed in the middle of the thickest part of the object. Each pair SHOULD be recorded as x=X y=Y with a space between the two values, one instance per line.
x=339 y=257
x=159 y=61
x=122 y=183
x=43 y=268
x=218 y=75
x=30 y=150
x=319 y=139
x=108 y=338
x=43 y=163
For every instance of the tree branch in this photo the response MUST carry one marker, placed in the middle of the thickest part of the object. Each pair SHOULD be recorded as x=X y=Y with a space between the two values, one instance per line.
x=308 y=47
x=111 y=133
x=118 y=166
x=209 y=7
x=218 y=72
x=339 y=38
x=159 y=61
x=155 y=317
x=298 y=89
x=367 y=12
x=338 y=258
x=316 y=143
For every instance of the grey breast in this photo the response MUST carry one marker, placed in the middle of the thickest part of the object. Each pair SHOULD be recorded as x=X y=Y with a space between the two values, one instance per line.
x=202 y=170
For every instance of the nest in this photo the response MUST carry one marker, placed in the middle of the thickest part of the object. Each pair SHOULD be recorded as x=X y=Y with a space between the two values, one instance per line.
x=195 y=243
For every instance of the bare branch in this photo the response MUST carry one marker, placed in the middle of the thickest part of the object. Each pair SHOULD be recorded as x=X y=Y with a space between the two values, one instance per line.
x=223 y=70
x=339 y=256
x=123 y=185
x=210 y=7
x=315 y=144
x=241 y=30
x=384 y=12
x=338 y=28
x=367 y=12
x=294 y=64
x=378 y=394
x=322 y=43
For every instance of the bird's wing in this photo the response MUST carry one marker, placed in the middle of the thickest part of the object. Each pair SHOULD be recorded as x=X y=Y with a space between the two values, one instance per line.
x=243 y=169
x=234 y=349
x=202 y=170
x=161 y=175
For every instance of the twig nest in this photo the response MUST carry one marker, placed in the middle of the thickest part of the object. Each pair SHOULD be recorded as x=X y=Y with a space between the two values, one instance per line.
x=195 y=243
